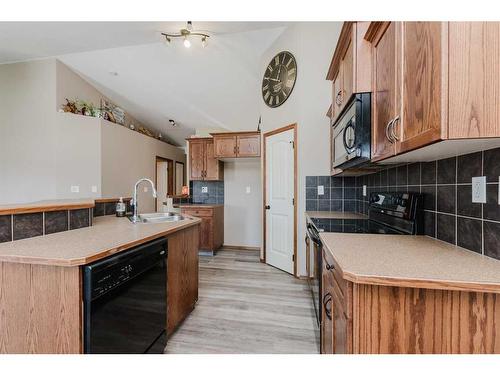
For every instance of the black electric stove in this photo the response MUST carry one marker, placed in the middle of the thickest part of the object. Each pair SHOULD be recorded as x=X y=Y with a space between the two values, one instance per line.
x=388 y=213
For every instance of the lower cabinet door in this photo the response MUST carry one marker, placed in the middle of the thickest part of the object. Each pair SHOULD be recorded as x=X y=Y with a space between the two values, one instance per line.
x=206 y=233
x=340 y=328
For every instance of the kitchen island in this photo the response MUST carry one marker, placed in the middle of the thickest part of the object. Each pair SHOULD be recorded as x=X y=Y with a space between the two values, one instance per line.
x=41 y=304
x=407 y=294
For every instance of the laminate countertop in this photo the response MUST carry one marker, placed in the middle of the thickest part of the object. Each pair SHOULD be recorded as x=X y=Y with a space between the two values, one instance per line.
x=335 y=215
x=411 y=261
x=108 y=235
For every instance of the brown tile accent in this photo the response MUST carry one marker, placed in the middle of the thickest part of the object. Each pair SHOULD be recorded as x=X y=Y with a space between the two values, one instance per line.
x=28 y=225
x=5 y=228
x=56 y=221
x=79 y=218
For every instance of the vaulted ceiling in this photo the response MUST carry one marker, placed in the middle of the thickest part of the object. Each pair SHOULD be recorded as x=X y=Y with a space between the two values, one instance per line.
x=212 y=87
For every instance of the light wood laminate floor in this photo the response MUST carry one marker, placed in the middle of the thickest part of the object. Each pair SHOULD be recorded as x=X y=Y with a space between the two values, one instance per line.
x=246 y=306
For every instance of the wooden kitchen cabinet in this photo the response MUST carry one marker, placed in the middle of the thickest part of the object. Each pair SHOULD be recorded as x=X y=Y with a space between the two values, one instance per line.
x=225 y=146
x=474 y=79
x=237 y=144
x=203 y=165
x=182 y=275
x=211 y=234
x=434 y=84
x=336 y=325
x=386 y=92
x=349 y=69
x=424 y=85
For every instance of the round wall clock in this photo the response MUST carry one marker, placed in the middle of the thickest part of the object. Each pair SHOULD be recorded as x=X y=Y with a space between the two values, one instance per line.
x=279 y=79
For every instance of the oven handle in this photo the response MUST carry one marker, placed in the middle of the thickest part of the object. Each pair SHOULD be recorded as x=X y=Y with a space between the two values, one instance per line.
x=313 y=234
x=350 y=124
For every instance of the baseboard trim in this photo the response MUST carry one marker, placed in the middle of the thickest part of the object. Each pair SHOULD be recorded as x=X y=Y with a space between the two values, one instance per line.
x=236 y=247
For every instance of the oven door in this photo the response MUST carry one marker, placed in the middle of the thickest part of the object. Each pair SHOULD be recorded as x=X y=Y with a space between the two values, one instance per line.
x=351 y=135
x=315 y=246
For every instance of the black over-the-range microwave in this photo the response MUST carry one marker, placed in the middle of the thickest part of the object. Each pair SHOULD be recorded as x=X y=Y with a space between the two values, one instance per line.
x=351 y=133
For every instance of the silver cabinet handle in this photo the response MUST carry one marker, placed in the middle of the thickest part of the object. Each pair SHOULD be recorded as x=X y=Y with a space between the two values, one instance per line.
x=393 y=132
x=387 y=134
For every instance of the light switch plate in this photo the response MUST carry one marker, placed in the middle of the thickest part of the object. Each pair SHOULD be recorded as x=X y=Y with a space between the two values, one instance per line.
x=321 y=190
x=204 y=189
x=145 y=189
x=247 y=189
x=75 y=189
x=364 y=190
x=94 y=189
x=479 y=189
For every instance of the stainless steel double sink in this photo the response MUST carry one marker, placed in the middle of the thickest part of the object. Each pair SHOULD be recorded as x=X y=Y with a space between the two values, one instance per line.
x=158 y=217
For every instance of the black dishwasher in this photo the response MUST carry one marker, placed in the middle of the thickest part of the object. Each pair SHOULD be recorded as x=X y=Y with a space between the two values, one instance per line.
x=125 y=301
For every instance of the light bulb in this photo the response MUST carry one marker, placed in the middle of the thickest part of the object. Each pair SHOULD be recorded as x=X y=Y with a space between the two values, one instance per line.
x=204 y=41
x=187 y=43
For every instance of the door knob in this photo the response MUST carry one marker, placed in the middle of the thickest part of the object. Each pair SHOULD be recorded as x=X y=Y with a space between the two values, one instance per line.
x=267 y=207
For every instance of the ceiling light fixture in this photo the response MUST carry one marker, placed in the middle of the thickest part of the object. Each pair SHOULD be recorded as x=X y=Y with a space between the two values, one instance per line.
x=187 y=33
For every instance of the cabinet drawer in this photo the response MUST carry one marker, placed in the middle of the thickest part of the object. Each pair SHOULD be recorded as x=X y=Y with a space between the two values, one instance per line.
x=198 y=212
x=330 y=265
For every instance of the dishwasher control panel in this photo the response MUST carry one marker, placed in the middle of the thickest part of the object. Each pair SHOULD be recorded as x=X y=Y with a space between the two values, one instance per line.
x=106 y=275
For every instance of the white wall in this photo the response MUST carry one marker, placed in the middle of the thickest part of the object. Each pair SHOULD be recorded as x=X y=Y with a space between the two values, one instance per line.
x=27 y=131
x=242 y=211
x=312 y=44
x=77 y=155
x=128 y=156
x=43 y=152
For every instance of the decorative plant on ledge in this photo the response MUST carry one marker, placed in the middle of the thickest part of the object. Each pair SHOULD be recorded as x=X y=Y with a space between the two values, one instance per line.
x=80 y=107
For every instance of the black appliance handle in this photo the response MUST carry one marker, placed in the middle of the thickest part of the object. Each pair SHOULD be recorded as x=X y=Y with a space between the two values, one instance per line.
x=313 y=233
x=350 y=124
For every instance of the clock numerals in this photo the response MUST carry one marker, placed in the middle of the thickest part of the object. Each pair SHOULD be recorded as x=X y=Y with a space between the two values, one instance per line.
x=279 y=79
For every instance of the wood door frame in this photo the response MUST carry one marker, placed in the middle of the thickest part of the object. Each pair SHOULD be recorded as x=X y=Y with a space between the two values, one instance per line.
x=170 y=181
x=184 y=175
x=295 y=190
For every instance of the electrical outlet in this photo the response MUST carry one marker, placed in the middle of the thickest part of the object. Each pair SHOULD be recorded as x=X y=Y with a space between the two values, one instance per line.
x=479 y=189
x=204 y=189
x=321 y=190
x=75 y=189
x=94 y=189
x=247 y=189
x=364 y=190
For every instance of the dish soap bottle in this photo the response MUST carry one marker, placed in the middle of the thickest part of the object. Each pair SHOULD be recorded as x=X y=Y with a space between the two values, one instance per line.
x=120 y=208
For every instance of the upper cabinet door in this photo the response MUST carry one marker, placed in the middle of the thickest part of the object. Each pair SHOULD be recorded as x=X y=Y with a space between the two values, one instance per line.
x=248 y=145
x=197 y=159
x=386 y=92
x=424 y=85
x=225 y=146
x=347 y=73
x=213 y=168
x=474 y=79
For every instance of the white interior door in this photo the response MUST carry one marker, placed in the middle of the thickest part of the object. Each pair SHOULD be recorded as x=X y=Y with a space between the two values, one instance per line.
x=161 y=184
x=280 y=200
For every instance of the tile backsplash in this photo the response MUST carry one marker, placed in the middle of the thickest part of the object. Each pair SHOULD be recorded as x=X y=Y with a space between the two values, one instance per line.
x=449 y=213
x=214 y=194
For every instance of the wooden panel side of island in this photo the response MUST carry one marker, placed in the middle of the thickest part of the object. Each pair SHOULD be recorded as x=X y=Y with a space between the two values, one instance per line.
x=40 y=309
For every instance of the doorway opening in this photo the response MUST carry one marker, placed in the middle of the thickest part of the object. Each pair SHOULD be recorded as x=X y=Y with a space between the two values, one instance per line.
x=164 y=181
